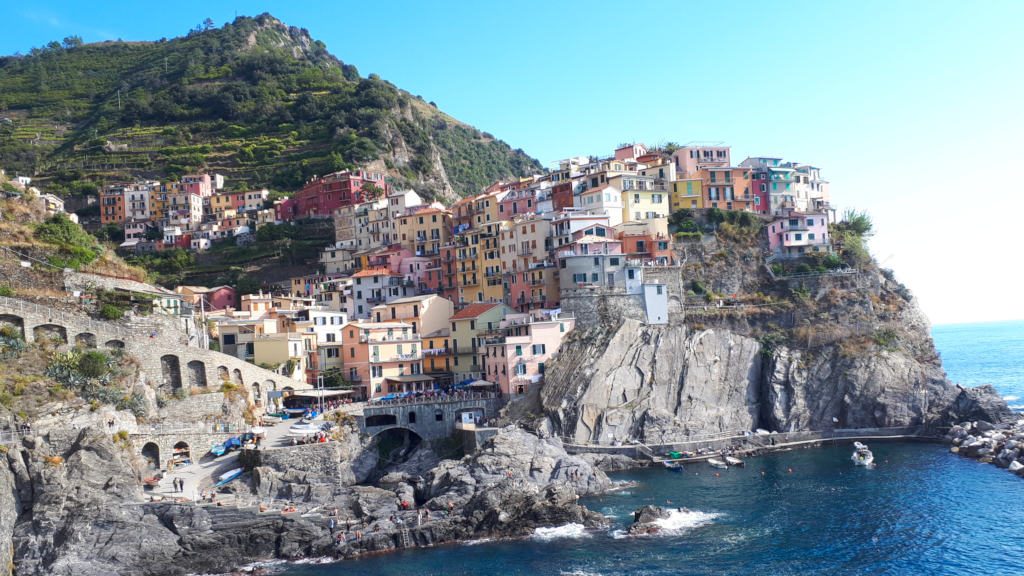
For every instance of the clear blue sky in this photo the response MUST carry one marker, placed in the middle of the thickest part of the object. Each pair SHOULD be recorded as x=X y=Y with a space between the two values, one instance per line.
x=912 y=109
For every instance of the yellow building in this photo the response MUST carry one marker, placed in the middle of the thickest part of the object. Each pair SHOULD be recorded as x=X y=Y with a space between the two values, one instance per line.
x=427 y=313
x=467 y=326
x=424 y=231
x=384 y=357
x=687 y=193
x=287 y=353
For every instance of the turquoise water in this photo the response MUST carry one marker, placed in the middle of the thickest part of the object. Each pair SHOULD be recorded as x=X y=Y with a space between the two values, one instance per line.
x=922 y=510
x=974 y=354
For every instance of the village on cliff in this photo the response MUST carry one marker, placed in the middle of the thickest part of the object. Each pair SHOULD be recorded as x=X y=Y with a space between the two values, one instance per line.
x=417 y=297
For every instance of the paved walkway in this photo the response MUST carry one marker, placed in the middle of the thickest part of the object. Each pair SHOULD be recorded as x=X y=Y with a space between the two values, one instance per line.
x=202 y=475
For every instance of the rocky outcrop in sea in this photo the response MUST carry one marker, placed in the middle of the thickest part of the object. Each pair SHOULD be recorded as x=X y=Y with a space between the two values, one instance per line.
x=999 y=444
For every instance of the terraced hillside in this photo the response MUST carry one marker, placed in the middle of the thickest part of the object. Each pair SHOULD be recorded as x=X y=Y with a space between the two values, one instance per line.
x=256 y=99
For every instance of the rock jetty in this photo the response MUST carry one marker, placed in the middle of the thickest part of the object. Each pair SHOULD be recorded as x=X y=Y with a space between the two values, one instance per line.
x=999 y=444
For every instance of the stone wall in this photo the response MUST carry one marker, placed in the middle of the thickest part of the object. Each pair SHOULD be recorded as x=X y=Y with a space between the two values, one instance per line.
x=593 y=305
x=430 y=420
x=166 y=360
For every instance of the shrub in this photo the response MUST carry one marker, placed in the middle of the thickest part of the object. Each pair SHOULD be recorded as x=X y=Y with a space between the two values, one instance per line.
x=6 y=291
x=698 y=287
x=77 y=247
x=111 y=312
x=93 y=364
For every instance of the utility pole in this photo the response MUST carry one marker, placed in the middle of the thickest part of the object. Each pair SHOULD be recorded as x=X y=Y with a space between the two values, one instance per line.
x=118 y=99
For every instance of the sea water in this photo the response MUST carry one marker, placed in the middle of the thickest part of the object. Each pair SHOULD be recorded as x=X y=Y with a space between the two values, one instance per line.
x=993 y=353
x=922 y=510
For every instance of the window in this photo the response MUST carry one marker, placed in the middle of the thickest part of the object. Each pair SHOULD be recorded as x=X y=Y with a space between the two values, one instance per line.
x=799 y=237
x=656 y=198
x=472 y=324
x=810 y=221
x=764 y=187
x=593 y=277
x=597 y=261
x=793 y=222
x=810 y=235
x=538 y=349
x=438 y=416
x=520 y=369
x=660 y=289
x=614 y=261
x=229 y=339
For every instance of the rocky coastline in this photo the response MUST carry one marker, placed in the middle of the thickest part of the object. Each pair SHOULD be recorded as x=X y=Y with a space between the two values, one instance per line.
x=1001 y=444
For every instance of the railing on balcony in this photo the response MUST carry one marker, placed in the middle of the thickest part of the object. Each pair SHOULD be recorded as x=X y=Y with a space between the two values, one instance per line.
x=392 y=338
x=407 y=356
x=437 y=351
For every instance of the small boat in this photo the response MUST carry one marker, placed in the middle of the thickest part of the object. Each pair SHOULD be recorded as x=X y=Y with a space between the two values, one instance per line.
x=229 y=476
x=733 y=461
x=295 y=411
x=861 y=455
x=673 y=466
x=228 y=445
x=717 y=463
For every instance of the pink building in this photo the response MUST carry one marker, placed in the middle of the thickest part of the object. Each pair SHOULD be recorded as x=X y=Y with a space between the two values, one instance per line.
x=516 y=354
x=798 y=233
x=200 y=184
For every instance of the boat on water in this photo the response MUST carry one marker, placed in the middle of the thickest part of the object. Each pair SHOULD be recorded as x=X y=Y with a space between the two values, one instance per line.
x=733 y=461
x=229 y=476
x=717 y=463
x=673 y=466
x=861 y=455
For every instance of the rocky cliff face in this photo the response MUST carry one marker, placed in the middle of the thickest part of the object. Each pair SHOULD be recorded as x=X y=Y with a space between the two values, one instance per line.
x=835 y=352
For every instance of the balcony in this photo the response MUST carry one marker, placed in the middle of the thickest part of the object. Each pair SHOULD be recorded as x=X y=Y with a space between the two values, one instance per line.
x=393 y=338
x=406 y=357
x=437 y=352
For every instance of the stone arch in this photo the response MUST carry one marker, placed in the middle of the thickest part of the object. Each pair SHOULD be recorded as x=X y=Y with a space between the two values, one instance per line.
x=182 y=453
x=257 y=396
x=196 y=374
x=381 y=420
x=170 y=367
x=50 y=332
x=222 y=374
x=236 y=377
x=114 y=344
x=270 y=385
x=85 y=340
x=151 y=454
x=12 y=323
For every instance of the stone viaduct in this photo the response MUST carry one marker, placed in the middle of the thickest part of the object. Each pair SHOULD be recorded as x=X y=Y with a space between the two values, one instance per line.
x=430 y=420
x=165 y=358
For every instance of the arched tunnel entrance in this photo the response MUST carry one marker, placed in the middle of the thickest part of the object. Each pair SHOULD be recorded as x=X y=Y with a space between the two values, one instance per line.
x=395 y=446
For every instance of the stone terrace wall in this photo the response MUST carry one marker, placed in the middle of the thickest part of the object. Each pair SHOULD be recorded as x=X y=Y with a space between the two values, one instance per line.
x=165 y=359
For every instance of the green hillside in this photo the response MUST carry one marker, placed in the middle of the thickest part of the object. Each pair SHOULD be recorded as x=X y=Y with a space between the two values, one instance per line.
x=256 y=100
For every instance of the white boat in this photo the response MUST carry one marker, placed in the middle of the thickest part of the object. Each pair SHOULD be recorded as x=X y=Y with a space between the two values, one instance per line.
x=717 y=463
x=733 y=461
x=861 y=455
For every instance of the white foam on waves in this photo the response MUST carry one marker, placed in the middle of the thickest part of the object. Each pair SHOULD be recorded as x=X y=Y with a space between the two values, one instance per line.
x=1011 y=398
x=571 y=530
x=679 y=521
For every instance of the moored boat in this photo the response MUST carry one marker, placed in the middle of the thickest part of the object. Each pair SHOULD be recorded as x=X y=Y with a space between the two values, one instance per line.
x=717 y=463
x=673 y=466
x=861 y=455
x=733 y=461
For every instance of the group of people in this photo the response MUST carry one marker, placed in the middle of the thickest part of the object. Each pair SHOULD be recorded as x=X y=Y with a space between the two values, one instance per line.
x=315 y=438
x=179 y=484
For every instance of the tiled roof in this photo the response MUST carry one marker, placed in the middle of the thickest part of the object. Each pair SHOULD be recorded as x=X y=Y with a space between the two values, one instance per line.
x=472 y=311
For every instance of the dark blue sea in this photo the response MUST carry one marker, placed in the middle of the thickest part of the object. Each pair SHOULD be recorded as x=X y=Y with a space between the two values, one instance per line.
x=922 y=510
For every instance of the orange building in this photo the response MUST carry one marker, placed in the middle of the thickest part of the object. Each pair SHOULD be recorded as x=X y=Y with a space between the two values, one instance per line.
x=112 y=206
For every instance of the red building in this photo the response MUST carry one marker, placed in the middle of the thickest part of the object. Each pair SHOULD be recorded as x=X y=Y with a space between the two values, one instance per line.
x=759 y=187
x=321 y=196
x=561 y=195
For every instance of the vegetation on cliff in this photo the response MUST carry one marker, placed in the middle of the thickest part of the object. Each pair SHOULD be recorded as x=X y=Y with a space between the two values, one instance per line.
x=257 y=100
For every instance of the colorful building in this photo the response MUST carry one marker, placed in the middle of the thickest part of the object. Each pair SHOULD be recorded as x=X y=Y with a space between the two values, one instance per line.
x=517 y=352
x=799 y=233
